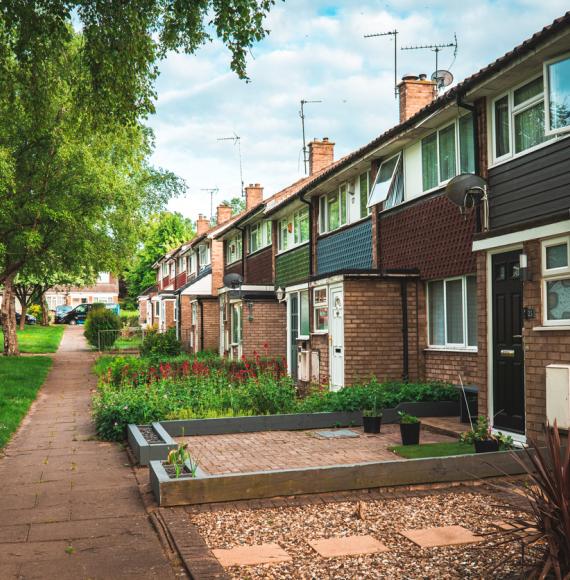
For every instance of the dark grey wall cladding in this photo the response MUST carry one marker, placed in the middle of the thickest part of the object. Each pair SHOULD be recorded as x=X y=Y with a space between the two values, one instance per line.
x=349 y=249
x=531 y=187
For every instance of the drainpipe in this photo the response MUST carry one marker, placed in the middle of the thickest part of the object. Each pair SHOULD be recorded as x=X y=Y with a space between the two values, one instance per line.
x=302 y=198
x=405 y=352
x=201 y=324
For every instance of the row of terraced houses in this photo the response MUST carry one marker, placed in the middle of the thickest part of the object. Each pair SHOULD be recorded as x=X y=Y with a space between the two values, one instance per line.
x=367 y=267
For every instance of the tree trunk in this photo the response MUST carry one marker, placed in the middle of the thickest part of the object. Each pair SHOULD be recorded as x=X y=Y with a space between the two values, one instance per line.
x=9 y=318
x=24 y=309
x=45 y=309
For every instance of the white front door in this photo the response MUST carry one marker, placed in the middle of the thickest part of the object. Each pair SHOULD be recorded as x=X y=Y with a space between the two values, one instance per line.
x=336 y=338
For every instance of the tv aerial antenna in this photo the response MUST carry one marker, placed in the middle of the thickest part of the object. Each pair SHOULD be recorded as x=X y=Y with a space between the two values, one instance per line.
x=437 y=48
x=212 y=191
x=302 y=115
x=237 y=141
x=393 y=33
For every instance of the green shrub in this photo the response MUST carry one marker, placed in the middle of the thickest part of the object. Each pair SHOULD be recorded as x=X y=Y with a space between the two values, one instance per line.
x=160 y=344
x=102 y=328
x=35 y=310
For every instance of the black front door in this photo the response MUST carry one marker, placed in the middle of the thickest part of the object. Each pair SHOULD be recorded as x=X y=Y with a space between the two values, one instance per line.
x=508 y=352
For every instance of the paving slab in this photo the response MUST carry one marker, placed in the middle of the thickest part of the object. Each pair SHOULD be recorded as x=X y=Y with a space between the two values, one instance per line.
x=252 y=555
x=444 y=536
x=347 y=546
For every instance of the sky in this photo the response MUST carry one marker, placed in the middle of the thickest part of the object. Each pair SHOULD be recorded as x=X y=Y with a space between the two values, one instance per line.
x=316 y=50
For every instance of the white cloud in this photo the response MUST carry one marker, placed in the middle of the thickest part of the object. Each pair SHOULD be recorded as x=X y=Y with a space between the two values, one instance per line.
x=316 y=50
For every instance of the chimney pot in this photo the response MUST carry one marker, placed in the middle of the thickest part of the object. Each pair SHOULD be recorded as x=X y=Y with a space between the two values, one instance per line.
x=321 y=154
x=253 y=196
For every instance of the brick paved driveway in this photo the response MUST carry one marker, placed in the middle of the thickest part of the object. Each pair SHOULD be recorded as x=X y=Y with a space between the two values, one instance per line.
x=70 y=506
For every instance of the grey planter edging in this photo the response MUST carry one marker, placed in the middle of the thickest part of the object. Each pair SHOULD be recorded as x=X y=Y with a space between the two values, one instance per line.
x=265 y=484
x=145 y=451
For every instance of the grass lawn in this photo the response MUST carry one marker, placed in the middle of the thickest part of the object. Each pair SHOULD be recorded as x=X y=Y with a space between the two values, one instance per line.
x=38 y=339
x=128 y=343
x=433 y=450
x=20 y=379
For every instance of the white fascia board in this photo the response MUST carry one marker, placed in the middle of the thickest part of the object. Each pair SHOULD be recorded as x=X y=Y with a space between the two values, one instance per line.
x=546 y=231
x=200 y=287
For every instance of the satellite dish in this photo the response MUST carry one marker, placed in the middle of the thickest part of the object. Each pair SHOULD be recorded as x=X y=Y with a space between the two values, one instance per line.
x=463 y=188
x=442 y=77
x=233 y=281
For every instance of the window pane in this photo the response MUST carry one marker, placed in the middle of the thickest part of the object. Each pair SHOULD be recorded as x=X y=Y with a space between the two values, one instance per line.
x=302 y=231
x=559 y=94
x=529 y=127
x=429 y=162
x=268 y=238
x=502 y=146
x=471 y=311
x=466 y=145
x=322 y=213
x=343 y=204
x=333 y=212
x=304 y=322
x=454 y=311
x=436 y=315
x=253 y=238
x=363 y=194
x=396 y=195
x=447 y=163
x=530 y=90
x=557 y=256
x=321 y=318
x=383 y=181
x=558 y=299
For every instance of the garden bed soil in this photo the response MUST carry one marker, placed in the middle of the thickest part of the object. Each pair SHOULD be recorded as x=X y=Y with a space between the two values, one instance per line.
x=151 y=436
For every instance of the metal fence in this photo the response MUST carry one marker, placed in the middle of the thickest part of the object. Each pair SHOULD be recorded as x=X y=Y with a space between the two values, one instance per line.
x=128 y=339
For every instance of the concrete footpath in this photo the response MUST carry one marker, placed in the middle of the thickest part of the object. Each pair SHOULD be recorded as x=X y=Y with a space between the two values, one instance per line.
x=70 y=506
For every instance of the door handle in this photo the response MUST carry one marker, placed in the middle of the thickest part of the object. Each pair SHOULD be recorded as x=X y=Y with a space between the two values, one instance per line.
x=517 y=335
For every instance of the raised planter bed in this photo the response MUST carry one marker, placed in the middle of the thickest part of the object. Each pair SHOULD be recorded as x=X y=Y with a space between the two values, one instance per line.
x=149 y=442
x=206 y=488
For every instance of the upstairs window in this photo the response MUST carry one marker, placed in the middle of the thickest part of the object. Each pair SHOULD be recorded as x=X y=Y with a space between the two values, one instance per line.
x=103 y=278
x=203 y=256
x=389 y=183
x=294 y=230
x=259 y=236
x=164 y=270
x=557 y=75
x=518 y=119
x=181 y=265
x=348 y=204
x=233 y=249
x=364 y=191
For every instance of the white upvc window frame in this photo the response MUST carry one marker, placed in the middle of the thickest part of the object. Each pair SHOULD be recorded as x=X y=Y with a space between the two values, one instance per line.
x=553 y=275
x=547 y=131
x=298 y=294
x=237 y=309
x=464 y=346
x=263 y=230
x=283 y=226
x=194 y=313
x=399 y=163
x=164 y=269
x=513 y=111
x=156 y=308
x=181 y=264
x=366 y=195
x=318 y=305
x=203 y=261
x=343 y=190
x=232 y=257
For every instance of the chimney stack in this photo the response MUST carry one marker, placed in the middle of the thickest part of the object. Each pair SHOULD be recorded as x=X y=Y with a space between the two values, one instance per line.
x=223 y=213
x=321 y=154
x=415 y=93
x=202 y=224
x=253 y=195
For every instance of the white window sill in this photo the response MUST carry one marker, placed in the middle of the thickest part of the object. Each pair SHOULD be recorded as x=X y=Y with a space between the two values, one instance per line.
x=319 y=332
x=553 y=327
x=514 y=156
x=292 y=248
x=470 y=350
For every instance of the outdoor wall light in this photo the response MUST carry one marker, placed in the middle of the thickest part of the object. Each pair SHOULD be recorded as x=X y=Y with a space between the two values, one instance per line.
x=524 y=271
x=250 y=311
x=280 y=294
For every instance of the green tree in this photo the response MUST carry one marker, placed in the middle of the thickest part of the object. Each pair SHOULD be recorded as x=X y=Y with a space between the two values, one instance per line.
x=236 y=203
x=163 y=232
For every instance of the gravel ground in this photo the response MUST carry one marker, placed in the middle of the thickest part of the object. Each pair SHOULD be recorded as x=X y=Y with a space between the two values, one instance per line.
x=291 y=527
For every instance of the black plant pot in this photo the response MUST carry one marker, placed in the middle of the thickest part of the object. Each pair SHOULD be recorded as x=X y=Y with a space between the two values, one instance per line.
x=371 y=424
x=410 y=433
x=487 y=446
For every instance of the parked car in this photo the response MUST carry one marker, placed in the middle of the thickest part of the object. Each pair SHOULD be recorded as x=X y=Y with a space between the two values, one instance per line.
x=78 y=314
x=29 y=318
x=62 y=310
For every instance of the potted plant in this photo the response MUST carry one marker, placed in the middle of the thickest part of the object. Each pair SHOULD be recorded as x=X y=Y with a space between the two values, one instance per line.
x=372 y=419
x=409 y=429
x=483 y=438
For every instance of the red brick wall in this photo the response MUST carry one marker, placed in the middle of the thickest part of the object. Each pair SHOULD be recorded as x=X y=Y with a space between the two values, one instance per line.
x=185 y=321
x=320 y=343
x=169 y=312
x=447 y=365
x=268 y=327
x=217 y=260
x=234 y=268
x=258 y=268
x=430 y=236
x=211 y=313
x=482 y=379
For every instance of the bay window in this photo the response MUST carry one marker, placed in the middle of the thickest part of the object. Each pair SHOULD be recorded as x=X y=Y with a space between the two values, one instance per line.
x=259 y=236
x=320 y=310
x=448 y=152
x=556 y=281
x=293 y=230
x=518 y=119
x=452 y=313
x=233 y=248
x=557 y=76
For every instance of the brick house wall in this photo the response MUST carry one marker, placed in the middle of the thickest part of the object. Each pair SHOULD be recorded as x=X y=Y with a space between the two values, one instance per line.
x=258 y=268
x=185 y=321
x=217 y=260
x=320 y=343
x=267 y=327
x=169 y=314
x=211 y=314
x=143 y=310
